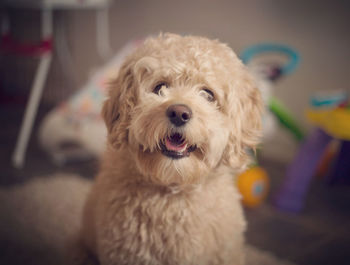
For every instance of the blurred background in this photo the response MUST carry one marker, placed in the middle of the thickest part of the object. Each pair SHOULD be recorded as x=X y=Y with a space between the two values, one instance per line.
x=88 y=37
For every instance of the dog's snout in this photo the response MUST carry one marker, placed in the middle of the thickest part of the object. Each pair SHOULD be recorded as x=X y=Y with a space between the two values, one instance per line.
x=179 y=114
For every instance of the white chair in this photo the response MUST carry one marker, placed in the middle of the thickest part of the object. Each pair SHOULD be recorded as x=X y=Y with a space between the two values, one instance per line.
x=44 y=51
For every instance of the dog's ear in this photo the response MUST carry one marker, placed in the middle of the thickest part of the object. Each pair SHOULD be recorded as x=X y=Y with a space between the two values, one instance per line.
x=121 y=100
x=244 y=108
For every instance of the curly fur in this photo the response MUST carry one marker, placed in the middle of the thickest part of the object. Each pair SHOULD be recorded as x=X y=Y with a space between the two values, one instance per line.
x=146 y=208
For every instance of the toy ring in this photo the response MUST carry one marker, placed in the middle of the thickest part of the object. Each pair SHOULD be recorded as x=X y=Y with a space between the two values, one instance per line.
x=254 y=50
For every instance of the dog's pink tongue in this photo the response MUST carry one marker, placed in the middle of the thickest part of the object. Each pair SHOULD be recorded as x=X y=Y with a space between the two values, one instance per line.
x=174 y=147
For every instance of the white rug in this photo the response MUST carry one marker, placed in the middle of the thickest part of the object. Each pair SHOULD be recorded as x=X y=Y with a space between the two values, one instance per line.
x=38 y=216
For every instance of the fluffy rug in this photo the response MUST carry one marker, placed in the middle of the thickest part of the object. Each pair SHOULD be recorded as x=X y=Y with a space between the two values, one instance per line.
x=38 y=217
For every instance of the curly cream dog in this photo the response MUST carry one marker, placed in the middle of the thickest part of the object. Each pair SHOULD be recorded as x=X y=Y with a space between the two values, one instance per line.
x=180 y=116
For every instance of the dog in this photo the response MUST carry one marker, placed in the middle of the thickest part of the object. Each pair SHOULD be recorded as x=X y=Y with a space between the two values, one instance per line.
x=182 y=115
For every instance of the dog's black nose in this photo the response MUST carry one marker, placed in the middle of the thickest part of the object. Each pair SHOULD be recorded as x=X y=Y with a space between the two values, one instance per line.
x=179 y=114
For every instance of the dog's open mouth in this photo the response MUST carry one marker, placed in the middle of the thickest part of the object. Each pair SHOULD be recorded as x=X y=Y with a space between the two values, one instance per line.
x=175 y=146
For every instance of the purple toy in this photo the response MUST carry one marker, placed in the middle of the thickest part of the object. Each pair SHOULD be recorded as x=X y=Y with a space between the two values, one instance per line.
x=299 y=174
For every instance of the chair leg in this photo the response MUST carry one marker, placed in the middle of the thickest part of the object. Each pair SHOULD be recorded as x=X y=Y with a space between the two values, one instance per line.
x=35 y=94
x=104 y=49
x=31 y=110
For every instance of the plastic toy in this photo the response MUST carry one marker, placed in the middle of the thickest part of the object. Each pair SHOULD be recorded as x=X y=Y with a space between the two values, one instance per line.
x=266 y=74
x=335 y=122
x=264 y=48
x=329 y=99
x=253 y=184
x=285 y=118
x=332 y=122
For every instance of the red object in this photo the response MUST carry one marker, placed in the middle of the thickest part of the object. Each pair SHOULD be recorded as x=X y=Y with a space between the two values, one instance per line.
x=9 y=45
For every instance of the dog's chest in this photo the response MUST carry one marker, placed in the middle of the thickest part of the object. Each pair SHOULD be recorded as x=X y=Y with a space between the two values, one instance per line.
x=170 y=229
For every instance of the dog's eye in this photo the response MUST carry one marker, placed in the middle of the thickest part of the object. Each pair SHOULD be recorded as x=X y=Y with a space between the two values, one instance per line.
x=159 y=87
x=208 y=94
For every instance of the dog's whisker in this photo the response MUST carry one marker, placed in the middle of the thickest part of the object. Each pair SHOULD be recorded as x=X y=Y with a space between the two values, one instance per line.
x=144 y=148
x=201 y=149
x=159 y=143
x=178 y=170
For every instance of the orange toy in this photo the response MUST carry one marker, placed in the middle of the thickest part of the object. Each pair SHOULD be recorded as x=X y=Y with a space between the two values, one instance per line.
x=253 y=184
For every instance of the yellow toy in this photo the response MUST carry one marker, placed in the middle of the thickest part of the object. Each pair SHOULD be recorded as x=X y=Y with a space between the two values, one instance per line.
x=330 y=110
x=253 y=184
x=334 y=121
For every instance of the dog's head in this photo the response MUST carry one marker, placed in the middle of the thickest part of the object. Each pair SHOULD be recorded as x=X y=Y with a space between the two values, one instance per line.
x=182 y=106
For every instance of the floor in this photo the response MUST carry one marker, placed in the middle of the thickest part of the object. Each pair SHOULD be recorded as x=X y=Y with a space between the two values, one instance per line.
x=318 y=235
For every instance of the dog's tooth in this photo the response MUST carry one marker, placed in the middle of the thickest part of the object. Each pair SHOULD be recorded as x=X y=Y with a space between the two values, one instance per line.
x=184 y=148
